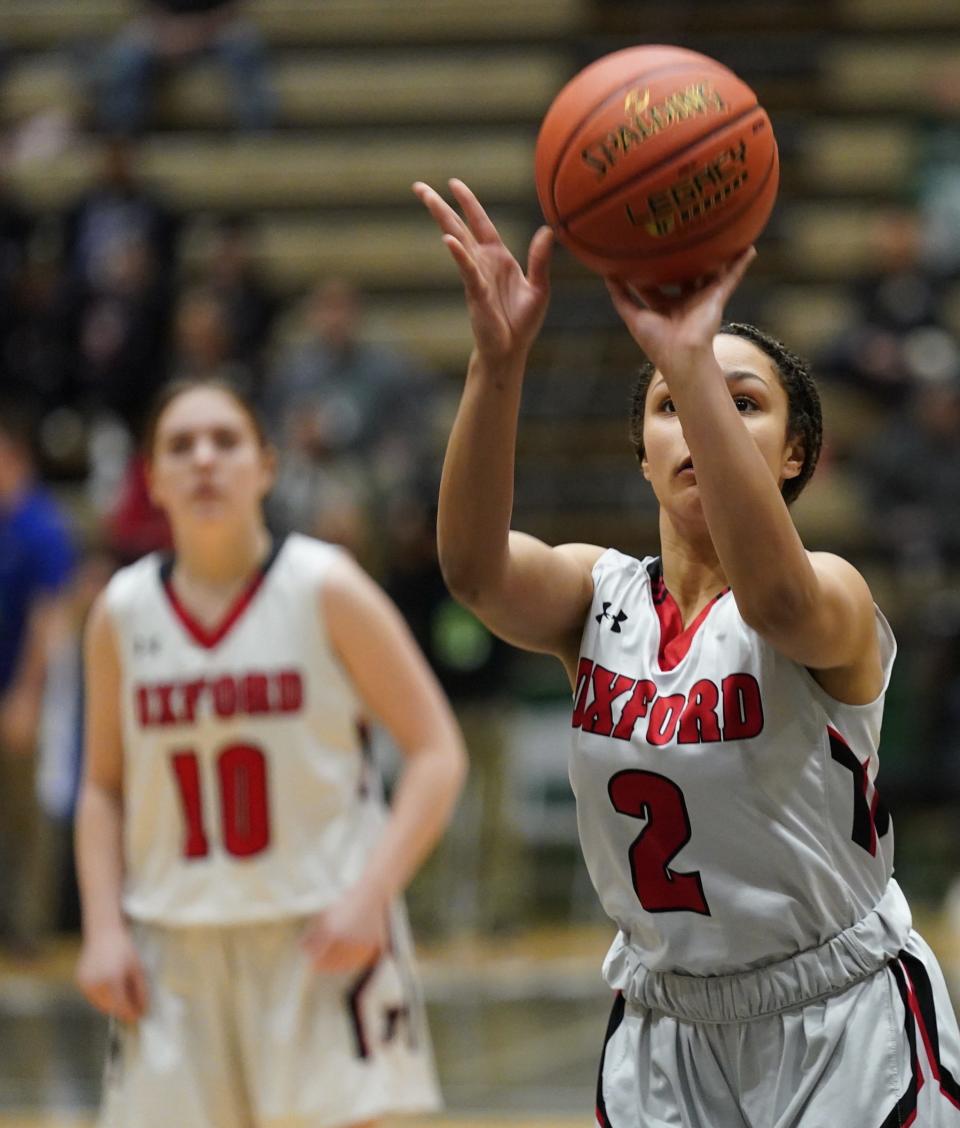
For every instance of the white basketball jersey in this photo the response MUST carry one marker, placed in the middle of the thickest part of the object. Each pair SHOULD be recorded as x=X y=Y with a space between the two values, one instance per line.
x=727 y=804
x=247 y=794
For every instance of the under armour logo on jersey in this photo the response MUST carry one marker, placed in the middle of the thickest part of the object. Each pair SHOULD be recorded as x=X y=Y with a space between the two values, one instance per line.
x=146 y=645
x=615 y=620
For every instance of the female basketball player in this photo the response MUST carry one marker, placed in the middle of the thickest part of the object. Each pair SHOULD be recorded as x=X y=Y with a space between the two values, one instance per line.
x=239 y=875
x=727 y=706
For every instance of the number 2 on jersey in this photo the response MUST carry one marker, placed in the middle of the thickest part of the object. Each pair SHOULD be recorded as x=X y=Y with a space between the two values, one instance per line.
x=647 y=795
x=244 y=811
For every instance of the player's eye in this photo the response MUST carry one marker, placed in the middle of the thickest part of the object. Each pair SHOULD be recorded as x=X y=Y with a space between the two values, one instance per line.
x=745 y=404
x=180 y=444
x=667 y=407
x=225 y=440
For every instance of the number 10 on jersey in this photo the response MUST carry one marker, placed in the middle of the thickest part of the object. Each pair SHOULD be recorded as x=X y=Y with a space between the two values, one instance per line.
x=244 y=809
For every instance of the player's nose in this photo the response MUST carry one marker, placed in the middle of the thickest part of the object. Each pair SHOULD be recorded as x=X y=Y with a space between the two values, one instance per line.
x=204 y=451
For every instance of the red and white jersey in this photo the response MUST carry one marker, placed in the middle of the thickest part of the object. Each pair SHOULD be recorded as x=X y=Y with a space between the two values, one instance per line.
x=727 y=804
x=247 y=792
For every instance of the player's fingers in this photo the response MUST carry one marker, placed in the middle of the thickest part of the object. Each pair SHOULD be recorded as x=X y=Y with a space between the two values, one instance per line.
x=732 y=276
x=346 y=957
x=626 y=299
x=480 y=223
x=138 y=993
x=645 y=325
x=325 y=957
x=473 y=281
x=538 y=258
x=315 y=940
x=653 y=299
x=444 y=216
x=98 y=995
x=462 y=257
x=120 y=1004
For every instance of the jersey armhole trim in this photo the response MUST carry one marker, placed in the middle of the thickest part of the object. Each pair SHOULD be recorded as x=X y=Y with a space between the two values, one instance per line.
x=888 y=644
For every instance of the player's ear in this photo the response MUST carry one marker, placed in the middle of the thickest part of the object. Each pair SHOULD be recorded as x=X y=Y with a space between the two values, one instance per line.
x=795 y=456
x=644 y=465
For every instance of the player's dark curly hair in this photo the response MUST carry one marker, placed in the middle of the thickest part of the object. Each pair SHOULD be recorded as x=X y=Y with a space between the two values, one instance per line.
x=804 y=415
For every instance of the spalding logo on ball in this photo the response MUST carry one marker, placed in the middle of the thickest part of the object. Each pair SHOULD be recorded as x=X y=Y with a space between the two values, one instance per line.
x=656 y=165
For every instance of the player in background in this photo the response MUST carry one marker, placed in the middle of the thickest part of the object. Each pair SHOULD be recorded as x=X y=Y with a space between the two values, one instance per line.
x=240 y=875
x=727 y=704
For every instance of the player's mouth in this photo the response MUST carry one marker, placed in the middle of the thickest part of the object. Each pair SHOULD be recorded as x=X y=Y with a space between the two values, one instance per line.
x=685 y=466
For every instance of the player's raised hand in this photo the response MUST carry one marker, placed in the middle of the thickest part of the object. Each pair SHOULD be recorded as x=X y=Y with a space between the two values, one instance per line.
x=111 y=976
x=348 y=935
x=506 y=306
x=672 y=330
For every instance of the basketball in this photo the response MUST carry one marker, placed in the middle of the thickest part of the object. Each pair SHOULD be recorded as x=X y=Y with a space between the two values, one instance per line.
x=655 y=165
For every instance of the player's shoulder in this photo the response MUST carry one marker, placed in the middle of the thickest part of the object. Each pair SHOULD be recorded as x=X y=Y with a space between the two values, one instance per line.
x=315 y=568
x=832 y=563
x=127 y=585
x=840 y=573
x=309 y=557
x=611 y=563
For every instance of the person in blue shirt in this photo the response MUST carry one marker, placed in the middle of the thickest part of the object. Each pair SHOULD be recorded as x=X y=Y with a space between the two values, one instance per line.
x=36 y=564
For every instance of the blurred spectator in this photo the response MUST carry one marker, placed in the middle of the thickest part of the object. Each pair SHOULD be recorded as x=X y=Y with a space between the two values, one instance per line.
x=119 y=244
x=36 y=562
x=60 y=741
x=935 y=731
x=350 y=409
x=121 y=334
x=938 y=187
x=203 y=342
x=119 y=209
x=202 y=347
x=912 y=474
x=34 y=365
x=170 y=32
x=899 y=300
x=232 y=273
x=132 y=524
x=16 y=229
x=478 y=876
x=36 y=362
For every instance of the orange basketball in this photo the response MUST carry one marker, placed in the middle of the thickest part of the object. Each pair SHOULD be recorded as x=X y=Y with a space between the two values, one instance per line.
x=656 y=165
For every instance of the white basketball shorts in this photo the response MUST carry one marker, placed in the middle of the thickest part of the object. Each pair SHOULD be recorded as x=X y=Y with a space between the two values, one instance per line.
x=243 y=1033
x=882 y=1053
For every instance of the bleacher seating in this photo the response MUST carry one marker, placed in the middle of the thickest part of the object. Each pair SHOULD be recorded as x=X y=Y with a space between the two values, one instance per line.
x=376 y=93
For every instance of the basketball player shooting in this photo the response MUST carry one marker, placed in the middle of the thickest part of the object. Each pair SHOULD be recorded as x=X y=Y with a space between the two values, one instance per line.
x=727 y=703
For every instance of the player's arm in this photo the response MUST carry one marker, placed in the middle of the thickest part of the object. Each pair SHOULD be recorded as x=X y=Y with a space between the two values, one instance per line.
x=815 y=609
x=399 y=690
x=108 y=971
x=528 y=593
x=532 y=595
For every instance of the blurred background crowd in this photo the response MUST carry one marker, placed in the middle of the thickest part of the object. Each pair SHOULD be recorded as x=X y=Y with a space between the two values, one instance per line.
x=194 y=187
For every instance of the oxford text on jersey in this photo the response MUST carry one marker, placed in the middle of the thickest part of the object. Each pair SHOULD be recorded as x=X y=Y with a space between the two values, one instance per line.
x=612 y=704
x=252 y=693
